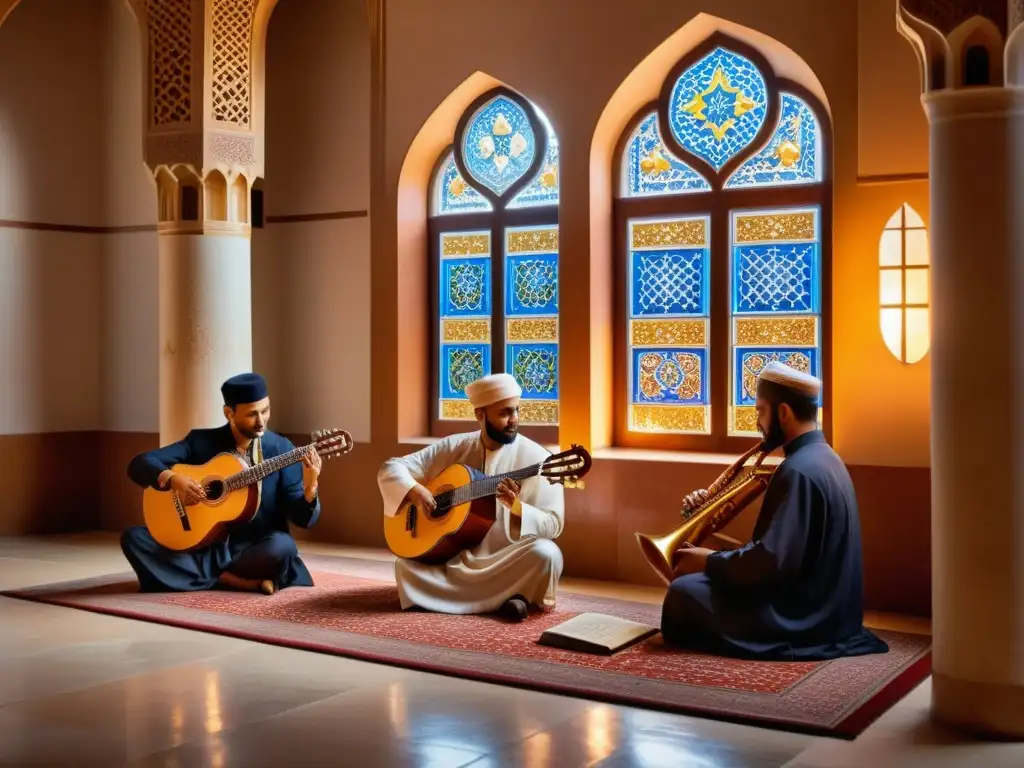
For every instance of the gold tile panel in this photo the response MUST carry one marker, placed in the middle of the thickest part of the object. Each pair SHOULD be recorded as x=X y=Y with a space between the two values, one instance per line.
x=533 y=241
x=757 y=332
x=532 y=329
x=466 y=245
x=669 y=418
x=692 y=232
x=538 y=412
x=457 y=409
x=764 y=227
x=668 y=333
x=467 y=330
x=744 y=420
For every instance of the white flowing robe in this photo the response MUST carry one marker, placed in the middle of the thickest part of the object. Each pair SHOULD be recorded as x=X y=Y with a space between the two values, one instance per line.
x=517 y=555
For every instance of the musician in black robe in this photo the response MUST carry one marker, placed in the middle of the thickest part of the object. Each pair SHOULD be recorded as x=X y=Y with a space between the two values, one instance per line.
x=795 y=591
x=259 y=555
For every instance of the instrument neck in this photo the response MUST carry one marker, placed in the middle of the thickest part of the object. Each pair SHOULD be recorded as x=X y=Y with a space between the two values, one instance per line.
x=488 y=486
x=259 y=471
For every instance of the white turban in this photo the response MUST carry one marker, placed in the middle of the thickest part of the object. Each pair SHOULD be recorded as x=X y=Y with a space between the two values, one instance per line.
x=492 y=389
x=784 y=376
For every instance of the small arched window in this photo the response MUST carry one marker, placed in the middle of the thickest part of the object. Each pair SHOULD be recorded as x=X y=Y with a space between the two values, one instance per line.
x=903 y=265
x=494 y=241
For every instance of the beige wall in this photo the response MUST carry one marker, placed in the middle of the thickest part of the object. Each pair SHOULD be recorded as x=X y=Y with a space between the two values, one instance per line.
x=892 y=129
x=51 y=172
x=311 y=280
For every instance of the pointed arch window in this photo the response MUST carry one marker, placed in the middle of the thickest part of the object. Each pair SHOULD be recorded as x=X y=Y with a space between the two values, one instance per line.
x=494 y=245
x=723 y=219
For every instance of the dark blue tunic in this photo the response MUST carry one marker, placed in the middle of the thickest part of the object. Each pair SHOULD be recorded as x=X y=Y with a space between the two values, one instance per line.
x=260 y=549
x=795 y=592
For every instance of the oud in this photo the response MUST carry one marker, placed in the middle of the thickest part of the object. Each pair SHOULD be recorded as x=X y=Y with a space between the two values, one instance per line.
x=232 y=493
x=465 y=507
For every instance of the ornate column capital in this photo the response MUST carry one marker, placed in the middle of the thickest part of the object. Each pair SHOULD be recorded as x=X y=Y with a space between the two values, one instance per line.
x=204 y=107
x=959 y=43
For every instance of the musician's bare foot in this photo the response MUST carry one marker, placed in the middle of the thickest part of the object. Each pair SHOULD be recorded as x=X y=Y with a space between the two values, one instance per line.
x=231 y=581
x=514 y=609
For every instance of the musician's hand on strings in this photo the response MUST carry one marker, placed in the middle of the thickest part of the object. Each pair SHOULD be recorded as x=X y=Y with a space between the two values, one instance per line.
x=311 y=465
x=508 y=492
x=189 y=491
x=421 y=498
x=694 y=500
x=689 y=559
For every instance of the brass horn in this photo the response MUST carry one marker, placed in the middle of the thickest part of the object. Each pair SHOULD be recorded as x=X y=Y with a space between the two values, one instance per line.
x=727 y=497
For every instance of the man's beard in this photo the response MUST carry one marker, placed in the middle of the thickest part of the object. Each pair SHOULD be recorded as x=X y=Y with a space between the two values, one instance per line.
x=774 y=437
x=500 y=436
x=251 y=434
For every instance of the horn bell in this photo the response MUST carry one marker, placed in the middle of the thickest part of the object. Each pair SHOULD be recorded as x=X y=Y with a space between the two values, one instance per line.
x=713 y=515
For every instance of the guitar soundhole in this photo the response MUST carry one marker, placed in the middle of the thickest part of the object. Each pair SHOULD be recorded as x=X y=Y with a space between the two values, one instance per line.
x=214 y=489
x=443 y=497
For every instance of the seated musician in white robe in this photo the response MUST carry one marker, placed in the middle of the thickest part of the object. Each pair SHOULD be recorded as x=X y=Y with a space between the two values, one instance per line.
x=517 y=565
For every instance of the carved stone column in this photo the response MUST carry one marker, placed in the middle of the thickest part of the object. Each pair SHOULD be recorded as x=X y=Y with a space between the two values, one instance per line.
x=204 y=143
x=977 y=164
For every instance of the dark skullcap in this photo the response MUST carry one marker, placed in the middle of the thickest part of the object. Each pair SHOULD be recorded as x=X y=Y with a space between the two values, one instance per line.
x=243 y=388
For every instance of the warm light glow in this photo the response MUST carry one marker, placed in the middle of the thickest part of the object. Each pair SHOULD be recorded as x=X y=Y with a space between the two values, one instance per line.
x=904 y=286
x=600 y=733
x=214 y=723
x=397 y=709
x=537 y=749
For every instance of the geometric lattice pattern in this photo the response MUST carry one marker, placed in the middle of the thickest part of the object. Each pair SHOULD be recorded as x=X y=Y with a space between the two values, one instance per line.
x=651 y=169
x=170 y=60
x=775 y=278
x=453 y=194
x=466 y=287
x=791 y=157
x=532 y=285
x=535 y=367
x=776 y=304
x=499 y=144
x=462 y=364
x=717 y=106
x=670 y=282
x=231 y=75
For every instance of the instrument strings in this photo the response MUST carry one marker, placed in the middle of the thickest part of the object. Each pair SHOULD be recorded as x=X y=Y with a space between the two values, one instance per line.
x=264 y=468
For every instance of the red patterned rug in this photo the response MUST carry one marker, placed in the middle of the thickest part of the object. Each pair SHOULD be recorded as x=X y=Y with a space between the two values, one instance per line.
x=353 y=611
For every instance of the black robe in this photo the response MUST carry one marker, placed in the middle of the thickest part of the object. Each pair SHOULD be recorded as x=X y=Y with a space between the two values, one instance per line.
x=795 y=592
x=260 y=549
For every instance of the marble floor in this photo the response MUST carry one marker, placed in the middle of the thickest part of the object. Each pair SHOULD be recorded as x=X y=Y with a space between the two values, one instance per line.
x=78 y=688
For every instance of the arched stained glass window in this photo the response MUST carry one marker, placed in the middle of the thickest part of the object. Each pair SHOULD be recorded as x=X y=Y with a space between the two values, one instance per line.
x=724 y=213
x=903 y=275
x=494 y=239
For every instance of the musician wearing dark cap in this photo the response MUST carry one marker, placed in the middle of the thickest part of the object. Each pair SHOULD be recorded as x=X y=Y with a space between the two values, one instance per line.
x=795 y=591
x=259 y=555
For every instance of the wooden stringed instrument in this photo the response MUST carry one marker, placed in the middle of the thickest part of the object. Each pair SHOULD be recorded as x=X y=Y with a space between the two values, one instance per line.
x=466 y=508
x=232 y=494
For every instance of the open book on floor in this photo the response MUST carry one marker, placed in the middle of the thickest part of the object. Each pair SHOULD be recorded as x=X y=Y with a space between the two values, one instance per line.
x=597 y=633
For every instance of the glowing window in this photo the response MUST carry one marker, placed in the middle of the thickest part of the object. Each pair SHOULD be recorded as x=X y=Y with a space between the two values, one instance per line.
x=904 y=286
x=494 y=234
x=723 y=215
